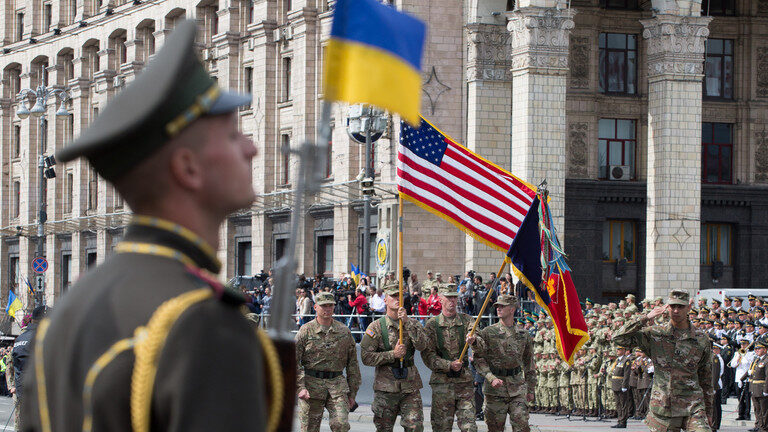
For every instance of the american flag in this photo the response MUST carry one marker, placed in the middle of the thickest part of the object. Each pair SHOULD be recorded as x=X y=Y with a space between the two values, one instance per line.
x=449 y=180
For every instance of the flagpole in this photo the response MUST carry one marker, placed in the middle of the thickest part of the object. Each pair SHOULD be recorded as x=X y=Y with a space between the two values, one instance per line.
x=485 y=304
x=400 y=259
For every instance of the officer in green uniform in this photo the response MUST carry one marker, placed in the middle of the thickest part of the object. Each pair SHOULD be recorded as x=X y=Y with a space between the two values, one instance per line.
x=324 y=348
x=397 y=382
x=451 y=381
x=150 y=339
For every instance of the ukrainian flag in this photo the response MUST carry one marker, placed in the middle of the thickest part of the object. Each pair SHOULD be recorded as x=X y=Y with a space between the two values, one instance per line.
x=14 y=304
x=374 y=57
x=356 y=274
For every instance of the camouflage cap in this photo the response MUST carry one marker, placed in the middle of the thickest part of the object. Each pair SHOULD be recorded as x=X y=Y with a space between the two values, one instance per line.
x=323 y=298
x=438 y=274
x=506 y=300
x=448 y=290
x=392 y=288
x=678 y=297
x=631 y=296
x=659 y=298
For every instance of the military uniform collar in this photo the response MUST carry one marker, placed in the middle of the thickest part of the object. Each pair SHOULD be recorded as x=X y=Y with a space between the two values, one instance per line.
x=391 y=322
x=145 y=229
x=319 y=328
x=444 y=321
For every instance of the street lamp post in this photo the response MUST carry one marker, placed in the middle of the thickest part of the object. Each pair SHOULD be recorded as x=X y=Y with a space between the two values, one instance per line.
x=44 y=163
x=366 y=125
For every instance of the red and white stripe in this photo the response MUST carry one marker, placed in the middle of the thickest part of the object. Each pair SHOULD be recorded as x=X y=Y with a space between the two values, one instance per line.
x=482 y=198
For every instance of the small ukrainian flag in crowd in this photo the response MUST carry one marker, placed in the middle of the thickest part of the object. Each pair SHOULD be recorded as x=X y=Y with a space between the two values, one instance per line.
x=14 y=304
x=356 y=274
x=374 y=57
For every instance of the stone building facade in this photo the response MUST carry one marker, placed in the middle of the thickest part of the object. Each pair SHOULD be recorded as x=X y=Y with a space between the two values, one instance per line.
x=646 y=118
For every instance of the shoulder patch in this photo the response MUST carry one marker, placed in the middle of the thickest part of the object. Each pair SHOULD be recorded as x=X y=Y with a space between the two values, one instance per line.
x=370 y=332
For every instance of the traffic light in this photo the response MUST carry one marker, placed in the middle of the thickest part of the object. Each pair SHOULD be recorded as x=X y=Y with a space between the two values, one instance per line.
x=366 y=185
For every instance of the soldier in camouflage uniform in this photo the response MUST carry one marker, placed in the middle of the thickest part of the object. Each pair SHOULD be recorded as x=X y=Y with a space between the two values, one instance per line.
x=451 y=381
x=564 y=387
x=552 y=378
x=324 y=348
x=682 y=393
x=506 y=360
x=380 y=348
x=594 y=361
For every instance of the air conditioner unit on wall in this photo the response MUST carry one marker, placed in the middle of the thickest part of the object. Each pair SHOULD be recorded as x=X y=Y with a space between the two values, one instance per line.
x=619 y=172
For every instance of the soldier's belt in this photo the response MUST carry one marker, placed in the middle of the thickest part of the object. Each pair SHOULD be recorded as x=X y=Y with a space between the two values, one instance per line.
x=506 y=372
x=396 y=363
x=322 y=374
x=617 y=377
x=757 y=381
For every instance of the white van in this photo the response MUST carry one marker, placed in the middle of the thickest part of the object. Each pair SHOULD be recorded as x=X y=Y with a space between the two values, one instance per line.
x=721 y=293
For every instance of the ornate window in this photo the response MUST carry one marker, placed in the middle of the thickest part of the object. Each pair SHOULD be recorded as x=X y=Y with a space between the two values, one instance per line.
x=618 y=63
x=619 y=240
x=718 y=69
x=716 y=243
x=616 y=147
x=717 y=153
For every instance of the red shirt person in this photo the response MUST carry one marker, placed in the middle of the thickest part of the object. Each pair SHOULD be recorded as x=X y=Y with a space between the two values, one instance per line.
x=434 y=306
x=359 y=302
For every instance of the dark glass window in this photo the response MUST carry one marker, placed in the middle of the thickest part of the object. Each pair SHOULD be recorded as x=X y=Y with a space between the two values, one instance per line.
x=243 y=257
x=718 y=69
x=619 y=4
x=618 y=63
x=616 y=146
x=718 y=7
x=325 y=255
x=716 y=243
x=717 y=153
x=619 y=240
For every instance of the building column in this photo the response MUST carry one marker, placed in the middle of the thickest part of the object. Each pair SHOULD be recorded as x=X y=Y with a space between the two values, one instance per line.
x=540 y=38
x=489 y=107
x=675 y=70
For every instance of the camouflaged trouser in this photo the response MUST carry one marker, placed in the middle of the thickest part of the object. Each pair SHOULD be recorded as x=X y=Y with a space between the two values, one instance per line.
x=696 y=422
x=454 y=399
x=610 y=399
x=496 y=409
x=388 y=405
x=554 y=400
x=311 y=413
x=565 y=399
x=592 y=396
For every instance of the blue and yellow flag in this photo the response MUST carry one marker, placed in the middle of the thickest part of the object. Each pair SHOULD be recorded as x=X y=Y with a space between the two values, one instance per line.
x=356 y=274
x=374 y=57
x=14 y=304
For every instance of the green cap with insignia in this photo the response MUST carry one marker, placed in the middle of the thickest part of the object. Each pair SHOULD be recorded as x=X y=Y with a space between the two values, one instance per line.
x=448 y=290
x=678 y=297
x=323 y=298
x=173 y=92
x=506 y=300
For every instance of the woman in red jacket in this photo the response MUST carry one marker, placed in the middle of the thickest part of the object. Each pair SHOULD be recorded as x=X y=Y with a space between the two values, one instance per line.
x=359 y=306
x=433 y=303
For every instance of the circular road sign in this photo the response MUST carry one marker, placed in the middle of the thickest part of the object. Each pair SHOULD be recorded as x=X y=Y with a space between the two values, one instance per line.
x=39 y=265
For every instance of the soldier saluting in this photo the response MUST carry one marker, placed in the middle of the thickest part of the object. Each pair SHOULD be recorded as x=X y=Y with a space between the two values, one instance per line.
x=324 y=348
x=397 y=382
x=505 y=359
x=682 y=393
x=451 y=381
x=149 y=339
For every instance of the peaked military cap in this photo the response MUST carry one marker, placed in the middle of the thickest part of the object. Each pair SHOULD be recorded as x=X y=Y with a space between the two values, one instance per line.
x=506 y=300
x=323 y=298
x=588 y=301
x=448 y=290
x=678 y=297
x=392 y=288
x=752 y=296
x=716 y=301
x=173 y=92
x=762 y=343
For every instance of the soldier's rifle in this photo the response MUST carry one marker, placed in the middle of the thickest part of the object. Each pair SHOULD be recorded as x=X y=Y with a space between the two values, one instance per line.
x=312 y=159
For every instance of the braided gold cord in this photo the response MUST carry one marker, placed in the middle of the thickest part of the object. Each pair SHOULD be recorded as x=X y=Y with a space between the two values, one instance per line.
x=272 y=361
x=149 y=342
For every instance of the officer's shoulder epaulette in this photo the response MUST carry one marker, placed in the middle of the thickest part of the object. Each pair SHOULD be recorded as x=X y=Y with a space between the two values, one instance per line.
x=225 y=294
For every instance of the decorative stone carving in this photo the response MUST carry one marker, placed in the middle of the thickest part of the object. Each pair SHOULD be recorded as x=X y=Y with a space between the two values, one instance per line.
x=540 y=38
x=579 y=62
x=762 y=7
x=433 y=88
x=676 y=45
x=577 y=149
x=488 y=53
x=761 y=156
x=762 y=72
